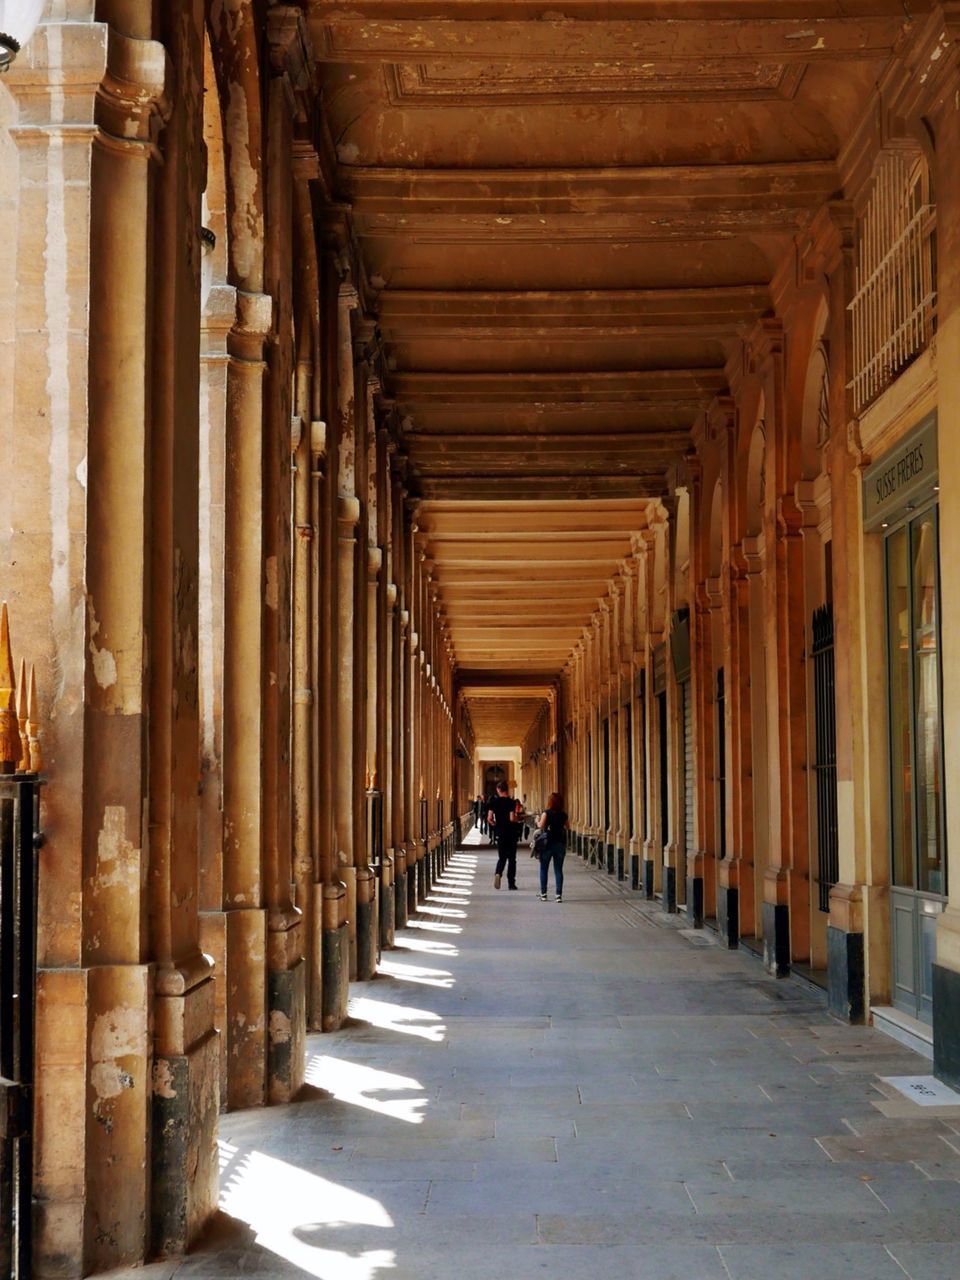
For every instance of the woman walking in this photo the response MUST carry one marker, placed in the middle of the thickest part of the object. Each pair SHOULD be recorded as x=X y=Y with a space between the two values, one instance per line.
x=553 y=821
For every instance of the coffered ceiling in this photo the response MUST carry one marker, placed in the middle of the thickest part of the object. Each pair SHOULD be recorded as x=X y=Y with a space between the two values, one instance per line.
x=568 y=216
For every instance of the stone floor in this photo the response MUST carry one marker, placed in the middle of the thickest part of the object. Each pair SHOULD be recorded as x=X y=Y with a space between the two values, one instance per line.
x=585 y=1089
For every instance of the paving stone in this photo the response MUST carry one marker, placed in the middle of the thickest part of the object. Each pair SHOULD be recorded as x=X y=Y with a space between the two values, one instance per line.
x=928 y=1261
x=810 y=1262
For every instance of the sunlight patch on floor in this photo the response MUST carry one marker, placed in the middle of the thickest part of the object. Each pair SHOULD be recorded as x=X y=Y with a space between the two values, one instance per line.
x=288 y=1209
x=398 y=1017
x=429 y=946
x=434 y=926
x=416 y=973
x=359 y=1085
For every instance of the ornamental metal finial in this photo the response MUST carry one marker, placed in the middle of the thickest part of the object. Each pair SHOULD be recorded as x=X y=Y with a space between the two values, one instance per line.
x=9 y=728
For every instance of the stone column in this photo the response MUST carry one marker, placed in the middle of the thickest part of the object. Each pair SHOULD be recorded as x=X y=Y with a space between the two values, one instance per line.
x=184 y=1173
x=650 y=878
x=348 y=516
x=946 y=970
x=622 y=695
x=633 y=845
x=701 y=692
x=338 y=516
x=368 y=924
x=670 y=839
x=91 y=101
x=286 y=972
x=737 y=694
x=237 y=935
x=116 y=845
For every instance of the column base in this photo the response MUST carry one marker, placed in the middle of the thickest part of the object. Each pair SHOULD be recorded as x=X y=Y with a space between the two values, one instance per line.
x=845 y=975
x=670 y=890
x=695 y=901
x=611 y=859
x=776 y=938
x=400 y=899
x=314 y=973
x=245 y=984
x=367 y=927
x=946 y=1025
x=636 y=870
x=728 y=915
x=119 y=1100
x=413 y=884
x=421 y=880
x=388 y=915
x=336 y=976
x=185 y=1176
x=621 y=864
x=648 y=878
x=287 y=995
x=59 y=1204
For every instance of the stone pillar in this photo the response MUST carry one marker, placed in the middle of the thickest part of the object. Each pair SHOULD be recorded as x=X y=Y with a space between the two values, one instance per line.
x=670 y=839
x=116 y=940
x=236 y=937
x=348 y=520
x=653 y=635
x=946 y=971
x=862 y=888
x=330 y=905
x=366 y=722
x=286 y=978
x=733 y=587
x=184 y=1176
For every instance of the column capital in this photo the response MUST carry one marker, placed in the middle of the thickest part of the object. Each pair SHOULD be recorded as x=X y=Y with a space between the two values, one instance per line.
x=132 y=104
x=348 y=509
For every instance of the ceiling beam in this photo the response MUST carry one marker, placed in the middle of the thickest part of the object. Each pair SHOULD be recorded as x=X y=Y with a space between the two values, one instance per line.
x=721 y=189
x=546 y=388
x=383 y=31
x=648 y=485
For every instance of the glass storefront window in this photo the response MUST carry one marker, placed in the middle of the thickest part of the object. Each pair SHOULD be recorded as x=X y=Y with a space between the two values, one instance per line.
x=923 y=538
x=913 y=633
x=898 y=632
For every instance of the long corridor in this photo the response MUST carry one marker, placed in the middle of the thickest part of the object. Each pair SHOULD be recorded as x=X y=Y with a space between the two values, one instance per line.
x=585 y=1089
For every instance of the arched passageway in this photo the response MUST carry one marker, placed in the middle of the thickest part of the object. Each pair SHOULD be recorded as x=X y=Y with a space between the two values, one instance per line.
x=403 y=397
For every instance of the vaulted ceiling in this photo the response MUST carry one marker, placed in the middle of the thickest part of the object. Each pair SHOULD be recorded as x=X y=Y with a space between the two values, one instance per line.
x=569 y=214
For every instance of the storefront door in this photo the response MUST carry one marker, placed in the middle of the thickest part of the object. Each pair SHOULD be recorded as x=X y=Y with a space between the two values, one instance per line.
x=918 y=879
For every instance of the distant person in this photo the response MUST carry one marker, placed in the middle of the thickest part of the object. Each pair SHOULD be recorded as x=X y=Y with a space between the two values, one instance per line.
x=506 y=818
x=479 y=814
x=554 y=822
x=487 y=807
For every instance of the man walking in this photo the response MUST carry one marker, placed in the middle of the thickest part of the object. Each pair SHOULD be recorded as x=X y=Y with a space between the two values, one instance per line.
x=507 y=822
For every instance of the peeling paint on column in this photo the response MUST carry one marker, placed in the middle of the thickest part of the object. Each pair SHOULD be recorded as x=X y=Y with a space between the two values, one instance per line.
x=118 y=862
x=163 y=1080
x=246 y=225
x=280 y=1030
x=119 y=1033
x=103 y=662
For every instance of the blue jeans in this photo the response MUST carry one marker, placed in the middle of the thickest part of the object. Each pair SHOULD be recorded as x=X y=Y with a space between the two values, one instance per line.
x=557 y=852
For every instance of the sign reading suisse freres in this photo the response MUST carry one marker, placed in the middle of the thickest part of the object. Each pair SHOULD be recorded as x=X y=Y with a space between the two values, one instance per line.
x=904 y=476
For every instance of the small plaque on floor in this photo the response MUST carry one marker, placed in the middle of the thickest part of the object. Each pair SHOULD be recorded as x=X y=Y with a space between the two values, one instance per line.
x=926 y=1091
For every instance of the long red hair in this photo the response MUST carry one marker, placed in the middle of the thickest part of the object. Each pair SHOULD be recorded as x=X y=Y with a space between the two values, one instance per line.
x=555 y=801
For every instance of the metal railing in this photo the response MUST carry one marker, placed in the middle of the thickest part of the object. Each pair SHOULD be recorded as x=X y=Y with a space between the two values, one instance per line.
x=19 y=842
x=825 y=753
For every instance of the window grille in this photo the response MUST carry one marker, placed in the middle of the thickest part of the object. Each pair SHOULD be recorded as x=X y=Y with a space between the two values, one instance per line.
x=894 y=307
x=825 y=760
